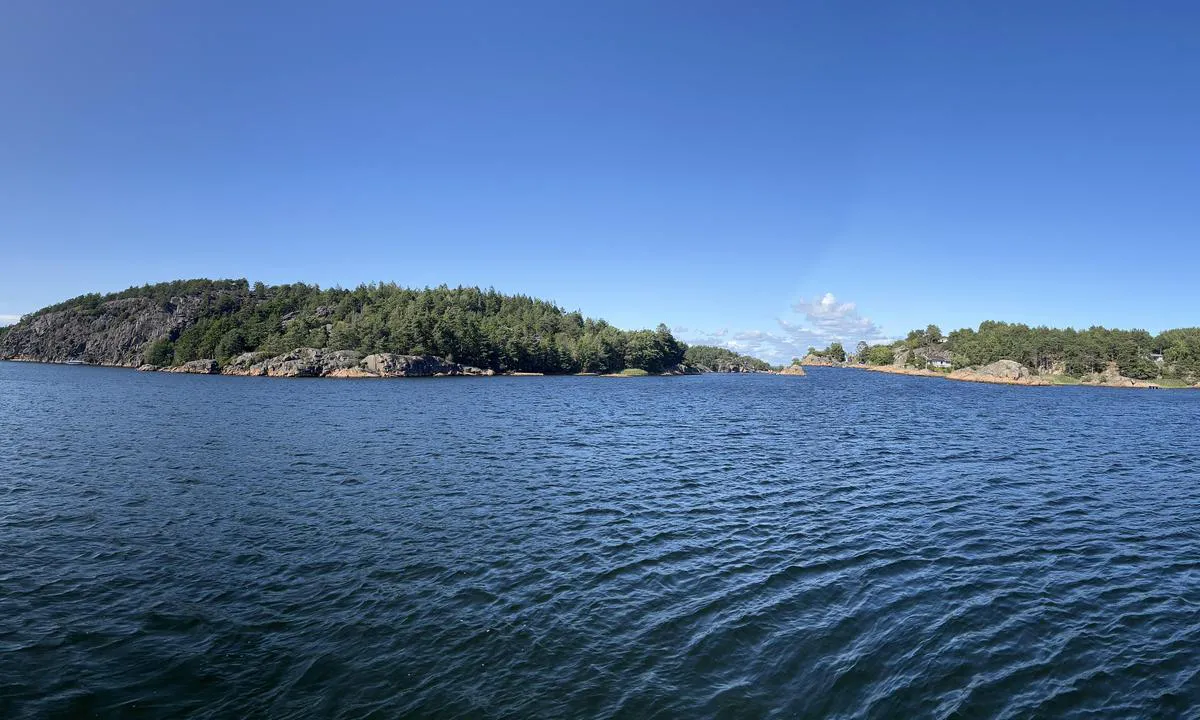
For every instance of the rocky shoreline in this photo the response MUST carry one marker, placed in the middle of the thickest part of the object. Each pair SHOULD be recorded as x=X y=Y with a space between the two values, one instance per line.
x=317 y=362
x=1009 y=372
x=321 y=363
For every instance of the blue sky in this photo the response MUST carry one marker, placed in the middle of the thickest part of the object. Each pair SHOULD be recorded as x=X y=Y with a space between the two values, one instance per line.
x=769 y=177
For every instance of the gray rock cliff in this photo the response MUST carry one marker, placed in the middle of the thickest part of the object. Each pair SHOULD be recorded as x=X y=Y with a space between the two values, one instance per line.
x=316 y=362
x=115 y=333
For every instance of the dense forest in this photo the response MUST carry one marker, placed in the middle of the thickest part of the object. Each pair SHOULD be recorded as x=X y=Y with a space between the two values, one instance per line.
x=719 y=359
x=471 y=326
x=1049 y=349
x=1136 y=353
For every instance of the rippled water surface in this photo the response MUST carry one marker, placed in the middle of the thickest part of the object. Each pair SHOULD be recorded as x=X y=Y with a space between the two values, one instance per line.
x=842 y=545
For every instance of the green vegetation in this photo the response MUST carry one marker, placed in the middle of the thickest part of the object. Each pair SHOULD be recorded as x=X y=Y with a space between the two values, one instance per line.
x=1064 y=380
x=3 y=332
x=721 y=359
x=931 y=335
x=471 y=326
x=1171 y=355
x=1170 y=359
x=1181 y=351
x=160 y=353
x=633 y=372
x=1045 y=349
x=863 y=353
x=1171 y=382
x=877 y=355
x=834 y=352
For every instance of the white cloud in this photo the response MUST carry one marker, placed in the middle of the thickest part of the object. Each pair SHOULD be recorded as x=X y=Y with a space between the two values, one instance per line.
x=814 y=323
x=9 y=320
x=837 y=321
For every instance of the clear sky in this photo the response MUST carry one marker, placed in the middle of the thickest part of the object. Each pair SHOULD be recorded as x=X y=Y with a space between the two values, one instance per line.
x=773 y=176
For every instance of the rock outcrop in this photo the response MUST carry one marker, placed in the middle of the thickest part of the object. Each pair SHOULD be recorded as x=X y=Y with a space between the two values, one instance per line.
x=317 y=362
x=115 y=332
x=242 y=364
x=301 y=362
x=792 y=370
x=196 y=367
x=1112 y=377
x=816 y=361
x=729 y=366
x=901 y=370
x=681 y=369
x=1006 y=369
x=1004 y=372
x=389 y=365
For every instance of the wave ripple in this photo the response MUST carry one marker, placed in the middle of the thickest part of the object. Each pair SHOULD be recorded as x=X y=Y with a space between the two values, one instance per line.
x=847 y=546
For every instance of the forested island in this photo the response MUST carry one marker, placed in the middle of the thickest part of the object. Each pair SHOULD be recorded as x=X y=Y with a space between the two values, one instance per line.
x=233 y=327
x=1020 y=354
x=719 y=359
x=176 y=323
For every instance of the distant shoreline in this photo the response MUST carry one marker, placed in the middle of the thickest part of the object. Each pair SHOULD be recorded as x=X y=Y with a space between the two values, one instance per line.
x=964 y=375
x=969 y=375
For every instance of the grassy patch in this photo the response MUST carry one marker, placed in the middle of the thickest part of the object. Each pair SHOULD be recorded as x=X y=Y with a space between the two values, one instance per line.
x=1064 y=379
x=633 y=372
x=1170 y=383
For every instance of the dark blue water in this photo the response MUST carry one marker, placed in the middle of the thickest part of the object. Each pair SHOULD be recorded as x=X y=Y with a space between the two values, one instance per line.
x=842 y=545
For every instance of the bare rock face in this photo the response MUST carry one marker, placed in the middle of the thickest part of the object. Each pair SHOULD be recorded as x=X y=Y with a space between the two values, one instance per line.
x=1008 y=369
x=793 y=370
x=1005 y=372
x=317 y=362
x=390 y=365
x=730 y=365
x=197 y=367
x=350 y=372
x=680 y=369
x=114 y=333
x=301 y=362
x=816 y=361
x=246 y=364
x=1112 y=377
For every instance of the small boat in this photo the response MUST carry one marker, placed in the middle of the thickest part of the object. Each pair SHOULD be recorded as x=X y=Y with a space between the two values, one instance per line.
x=75 y=362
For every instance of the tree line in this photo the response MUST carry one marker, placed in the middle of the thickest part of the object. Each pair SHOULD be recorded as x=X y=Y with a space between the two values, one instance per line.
x=1136 y=353
x=719 y=359
x=467 y=325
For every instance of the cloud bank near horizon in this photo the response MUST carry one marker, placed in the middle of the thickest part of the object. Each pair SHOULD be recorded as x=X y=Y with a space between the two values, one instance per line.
x=814 y=323
x=9 y=320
